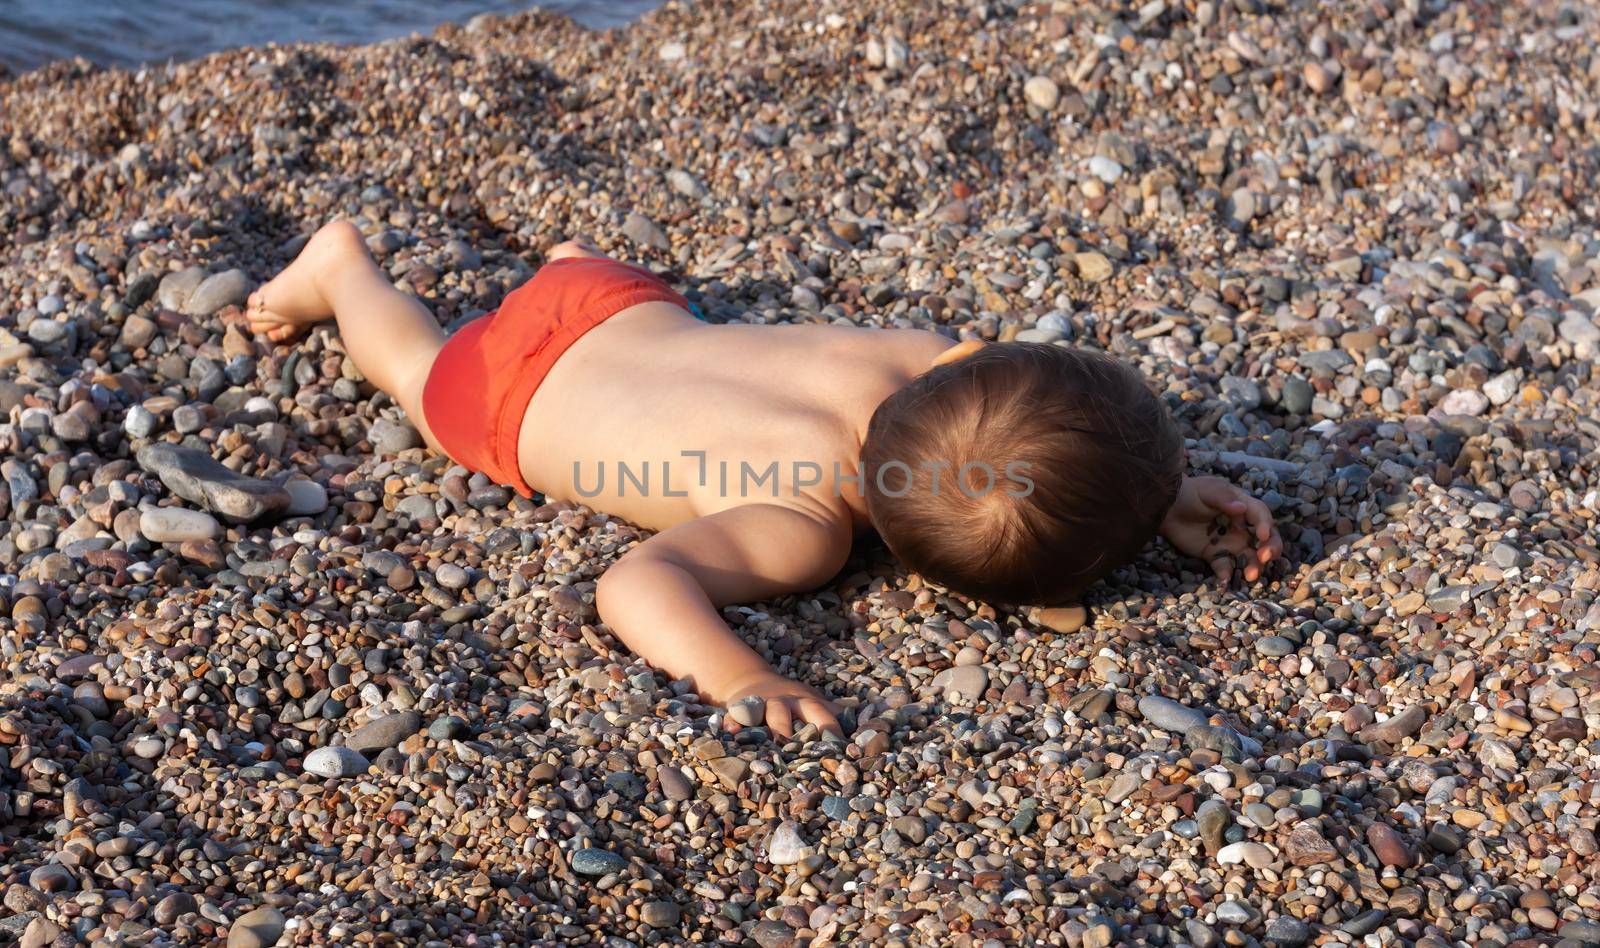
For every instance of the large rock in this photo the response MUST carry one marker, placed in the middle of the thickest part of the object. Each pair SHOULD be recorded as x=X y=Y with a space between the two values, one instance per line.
x=964 y=684
x=385 y=732
x=228 y=288
x=1397 y=728
x=200 y=479
x=392 y=437
x=645 y=232
x=258 y=929
x=176 y=288
x=333 y=762
x=1171 y=715
x=1306 y=846
x=306 y=498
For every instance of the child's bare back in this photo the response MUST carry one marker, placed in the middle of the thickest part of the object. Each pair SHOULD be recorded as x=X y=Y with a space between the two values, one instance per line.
x=1021 y=473
x=725 y=415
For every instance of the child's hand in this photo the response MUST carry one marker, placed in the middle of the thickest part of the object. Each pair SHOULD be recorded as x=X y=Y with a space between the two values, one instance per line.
x=1215 y=521
x=788 y=701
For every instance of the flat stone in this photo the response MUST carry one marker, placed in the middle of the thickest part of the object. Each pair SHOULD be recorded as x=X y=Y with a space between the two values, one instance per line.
x=674 y=785
x=963 y=684
x=645 y=232
x=1274 y=646
x=177 y=524
x=1254 y=855
x=79 y=666
x=449 y=727
x=1566 y=728
x=451 y=576
x=660 y=914
x=686 y=184
x=1450 y=598
x=383 y=733
x=1287 y=931
x=1220 y=739
x=1234 y=912
x=228 y=288
x=307 y=498
x=597 y=862
x=1464 y=401
x=1580 y=331
x=1390 y=847
x=1397 y=728
x=1042 y=91
x=773 y=934
x=1242 y=205
x=1105 y=168
x=200 y=479
x=1093 y=267
x=1212 y=820
x=1063 y=619
x=785 y=847
x=749 y=711
x=730 y=771
x=1170 y=715
x=332 y=762
x=392 y=437
x=52 y=877
x=1364 y=924
x=1260 y=814
x=176 y=288
x=174 y=907
x=1123 y=787
x=1306 y=846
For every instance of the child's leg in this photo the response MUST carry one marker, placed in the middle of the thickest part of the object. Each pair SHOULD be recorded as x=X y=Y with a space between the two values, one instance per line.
x=392 y=337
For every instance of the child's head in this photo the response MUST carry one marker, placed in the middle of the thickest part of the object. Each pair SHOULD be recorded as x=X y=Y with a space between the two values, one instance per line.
x=1084 y=458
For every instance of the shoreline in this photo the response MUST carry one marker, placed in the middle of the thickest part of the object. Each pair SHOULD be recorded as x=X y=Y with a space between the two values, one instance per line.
x=274 y=675
x=169 y=36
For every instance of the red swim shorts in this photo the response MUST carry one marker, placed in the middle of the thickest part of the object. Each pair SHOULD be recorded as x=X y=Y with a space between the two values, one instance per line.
x=482 y=380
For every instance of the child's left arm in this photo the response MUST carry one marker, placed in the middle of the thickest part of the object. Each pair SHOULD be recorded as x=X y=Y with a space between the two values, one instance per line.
x=1216 y=521
x=664 y=598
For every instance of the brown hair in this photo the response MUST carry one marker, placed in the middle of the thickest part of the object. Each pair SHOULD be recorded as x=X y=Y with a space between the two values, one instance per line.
x=1080 y=458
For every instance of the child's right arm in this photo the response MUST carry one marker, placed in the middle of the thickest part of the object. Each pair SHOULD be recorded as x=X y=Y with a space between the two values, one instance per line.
x=1220 y=523
x=663 y=599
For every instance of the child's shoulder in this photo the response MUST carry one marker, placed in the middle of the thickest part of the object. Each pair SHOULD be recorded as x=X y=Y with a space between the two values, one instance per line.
x=918 y=343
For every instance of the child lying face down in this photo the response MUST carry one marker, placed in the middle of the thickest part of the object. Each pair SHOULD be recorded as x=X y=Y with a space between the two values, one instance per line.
x=1016 y=473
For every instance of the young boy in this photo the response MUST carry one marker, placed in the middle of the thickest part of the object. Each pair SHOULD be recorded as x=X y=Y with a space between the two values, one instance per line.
x=1017 y=473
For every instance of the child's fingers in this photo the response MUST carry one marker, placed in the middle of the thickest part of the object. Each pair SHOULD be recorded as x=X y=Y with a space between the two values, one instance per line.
x=1259 y=517
x=1222 y=565
x=819 y=713
x=780 y=717
x=1271 y=549
x=1216 y=493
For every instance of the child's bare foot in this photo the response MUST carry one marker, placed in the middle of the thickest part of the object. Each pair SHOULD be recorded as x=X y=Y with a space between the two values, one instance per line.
x=288 y=304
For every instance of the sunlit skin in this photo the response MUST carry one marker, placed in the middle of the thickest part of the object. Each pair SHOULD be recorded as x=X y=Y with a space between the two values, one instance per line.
x=652 y=383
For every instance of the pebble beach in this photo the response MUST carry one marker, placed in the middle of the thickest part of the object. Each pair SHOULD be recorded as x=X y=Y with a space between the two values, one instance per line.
x=273 y=674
